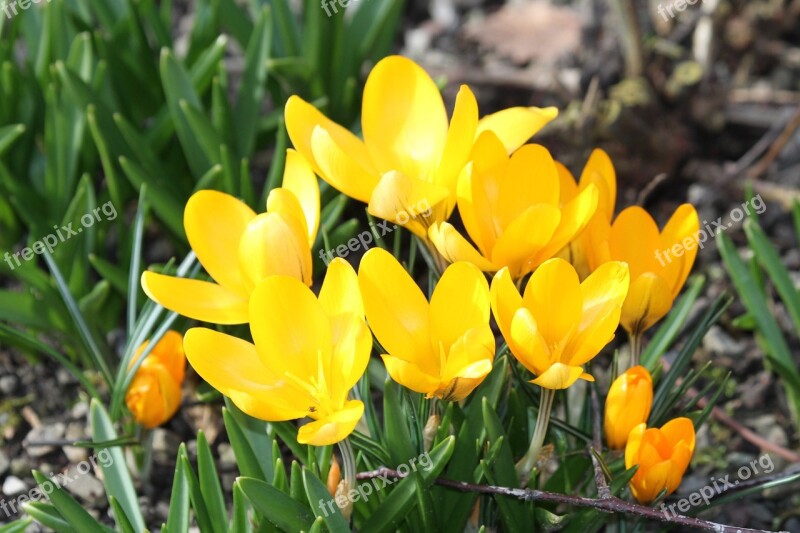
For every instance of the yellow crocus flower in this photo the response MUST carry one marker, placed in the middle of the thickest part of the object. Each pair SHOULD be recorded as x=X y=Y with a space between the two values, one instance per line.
x=559 y=323
x=662 y=455
x=239 y=248
x=511 y=209
x=308 y=353
x=627 y=405
x=411 y=156
x=598 y=171
x=659 y=262
x=444 y=348
x=154 y=394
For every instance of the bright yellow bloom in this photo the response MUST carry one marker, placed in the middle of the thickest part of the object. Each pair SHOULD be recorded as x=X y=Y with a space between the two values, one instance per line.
x=511 y=208
x=154 y=394
x=627 y=405
x=443 y=349
x=598 y=171
x=410 y=156
x=659 y=261
x=560 y=323
x=662 y=455
x=308 y=353
x=239 y=248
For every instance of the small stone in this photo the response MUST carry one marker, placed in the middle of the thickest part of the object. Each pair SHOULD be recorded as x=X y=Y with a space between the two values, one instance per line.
x=82 y=483
x=79 y=410
x=718 y=342
x=43 y=433
x=75 y=432
x=165 y=445
x=13 y=486
x=227 y=459
x=8 y=384
x=20 y=467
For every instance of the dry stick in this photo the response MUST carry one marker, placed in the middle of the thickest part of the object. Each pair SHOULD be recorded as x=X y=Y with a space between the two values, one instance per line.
x=630 y=36
x=777 y=147
x=599 y=477
x=608 y=505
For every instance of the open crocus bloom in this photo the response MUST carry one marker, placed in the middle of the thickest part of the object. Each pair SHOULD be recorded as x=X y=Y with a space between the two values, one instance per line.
x=407 y=166
x=239 y=248
x=443 y=349
x=154 y=394
x=659 y=262
x=598 y=171
x=627 y=405
x=662 y=455
x=511 y=209
x=559 y=323
x=308 y=353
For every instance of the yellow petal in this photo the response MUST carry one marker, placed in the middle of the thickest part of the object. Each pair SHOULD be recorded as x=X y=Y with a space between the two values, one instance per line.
x=290 y=329
x=200 y=300
x=469 y=361
x=526 y=342
x=410 y=375
x=214 y=222
x=559 y=376
x=599 y=171
x=285 y=203
x=603 y=294
x=515 y=125
x=403 y=118
x=679 y=430
x=275 y=244
x=634 y=444
x=505 y=300
x=233 y=367
x=299 y=178
x=409 y=202
x=333 y=428
x=553 y=295
x=454 y=247
x=520 y=243
x=648 y=300
x=338 y=156
x=460 y=138
x=634 y=238
x=575 y=215
x=627 y=405
x=531 y=178
x=169 y=353
x=680 y=238
x=568 y=188
x=396 y=309
x=462 y=287
x=340 y=296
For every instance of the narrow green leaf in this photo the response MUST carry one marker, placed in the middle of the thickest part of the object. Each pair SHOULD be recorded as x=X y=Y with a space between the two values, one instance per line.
x=277 y=507
x=210 y=485
x=251 y=93
x=72 y=512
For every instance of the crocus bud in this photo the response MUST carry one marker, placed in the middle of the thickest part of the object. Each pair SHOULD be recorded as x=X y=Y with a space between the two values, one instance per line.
x=334 y=476
x=627 y=405
x=662 y=455
x=154 y=394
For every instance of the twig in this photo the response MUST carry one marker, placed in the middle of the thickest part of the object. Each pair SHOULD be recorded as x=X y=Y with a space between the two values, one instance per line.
x=777 y=147
x=599 y=477
x=608 y=505
x=630 y=36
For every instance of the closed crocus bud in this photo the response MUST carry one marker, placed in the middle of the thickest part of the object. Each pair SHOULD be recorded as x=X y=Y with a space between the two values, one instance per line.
x=627 y=405
x=662 y=455
x=154 y=394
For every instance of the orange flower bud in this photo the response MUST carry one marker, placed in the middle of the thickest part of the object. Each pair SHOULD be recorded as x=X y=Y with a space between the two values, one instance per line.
x=627 y=405
x=154 y=394
x=662 y=455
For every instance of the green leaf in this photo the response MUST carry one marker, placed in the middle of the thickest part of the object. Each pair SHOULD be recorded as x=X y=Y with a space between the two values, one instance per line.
x=251 y=93
x=17 y=526
x=246 y=459
x=120 y=517
x=392 y=512
x=318 y=496
x=195 y=492
x=397 y=434
x=9 y=134
x=47 y=515
x=72 y=512
x=178 y=517
x=210 y=485
x=117 y=478
x=277 y=507
x=168 y=208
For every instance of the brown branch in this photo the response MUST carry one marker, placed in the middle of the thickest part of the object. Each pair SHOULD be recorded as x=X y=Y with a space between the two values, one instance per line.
x=607 y=505
x=777 y=147
x=597 y=445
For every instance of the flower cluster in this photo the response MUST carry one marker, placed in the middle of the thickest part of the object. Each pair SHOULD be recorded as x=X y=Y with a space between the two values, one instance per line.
x=527 y=223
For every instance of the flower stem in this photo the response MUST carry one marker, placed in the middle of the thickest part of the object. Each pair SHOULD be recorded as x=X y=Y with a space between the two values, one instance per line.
x=636 y=348
x=526 y=464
